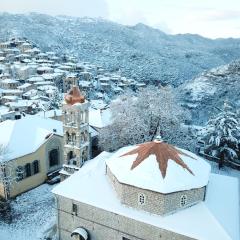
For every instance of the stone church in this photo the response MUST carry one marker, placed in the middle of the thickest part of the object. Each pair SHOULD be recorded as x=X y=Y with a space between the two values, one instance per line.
x=150 y=191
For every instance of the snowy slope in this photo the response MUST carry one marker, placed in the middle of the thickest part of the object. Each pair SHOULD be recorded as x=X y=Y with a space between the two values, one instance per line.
x=210 y=89
x=140 y=51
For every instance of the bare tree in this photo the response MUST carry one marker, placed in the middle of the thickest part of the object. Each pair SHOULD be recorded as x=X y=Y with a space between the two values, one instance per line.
x=139 y=118
x=7 y=178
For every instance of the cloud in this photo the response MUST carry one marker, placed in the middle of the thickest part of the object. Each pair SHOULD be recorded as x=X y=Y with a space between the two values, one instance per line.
x=80 y=8
x=163 y=27
x=219 y=15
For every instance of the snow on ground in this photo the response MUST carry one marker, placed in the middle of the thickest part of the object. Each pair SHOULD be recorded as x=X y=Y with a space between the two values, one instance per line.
x=226 y=171
x=34 y=216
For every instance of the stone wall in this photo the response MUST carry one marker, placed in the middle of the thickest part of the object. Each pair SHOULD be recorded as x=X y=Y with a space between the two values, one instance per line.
x=155 y=202
x=104 y=225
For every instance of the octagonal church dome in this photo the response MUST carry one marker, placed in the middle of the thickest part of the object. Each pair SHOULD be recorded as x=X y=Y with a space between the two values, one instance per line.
x=159 y=167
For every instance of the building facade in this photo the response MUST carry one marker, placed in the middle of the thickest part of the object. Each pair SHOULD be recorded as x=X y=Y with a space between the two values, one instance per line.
x=33 y=150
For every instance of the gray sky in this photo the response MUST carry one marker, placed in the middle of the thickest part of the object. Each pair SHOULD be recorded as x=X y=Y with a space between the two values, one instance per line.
x=210 y=18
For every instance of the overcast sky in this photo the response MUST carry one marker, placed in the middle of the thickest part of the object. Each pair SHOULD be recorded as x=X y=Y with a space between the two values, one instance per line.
x=210 y=18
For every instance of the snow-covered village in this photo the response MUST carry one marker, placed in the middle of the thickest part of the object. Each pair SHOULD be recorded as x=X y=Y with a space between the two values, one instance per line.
x=119 y=120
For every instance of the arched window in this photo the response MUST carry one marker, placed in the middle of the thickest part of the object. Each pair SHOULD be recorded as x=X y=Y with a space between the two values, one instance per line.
x=85 y=155
x=20 y=173
x=74 y=138
x=53 y=157
x=85 y=136
x=80 y=234
x=141 y=199
x=82 y=137
x=35 y=167
x=183 y=200
x=68 y=138
x=28 y=170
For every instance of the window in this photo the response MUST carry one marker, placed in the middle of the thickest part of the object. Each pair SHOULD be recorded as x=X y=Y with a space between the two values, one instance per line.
x=141 y=199
x=20 y=173
x=124 y=238
x=183 y=200
x=53 y=157
x=35 y=167
x=28 y=169
x=74 y=209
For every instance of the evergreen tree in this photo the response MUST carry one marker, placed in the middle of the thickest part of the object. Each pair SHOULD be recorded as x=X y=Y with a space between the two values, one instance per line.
x=56 y=99
x=222 y=135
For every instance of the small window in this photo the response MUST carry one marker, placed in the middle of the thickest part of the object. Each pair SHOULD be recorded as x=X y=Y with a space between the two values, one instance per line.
x=183 y=200
x=28 y=169
x=74 y=209
x=35 y=167
x=53 y=157
x=141 y=199
x=19 y=173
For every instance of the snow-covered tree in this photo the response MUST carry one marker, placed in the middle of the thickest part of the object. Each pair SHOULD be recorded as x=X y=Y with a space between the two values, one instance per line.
x=56 y=99
x=7 y=177
x=140 y=117
x=222 y=136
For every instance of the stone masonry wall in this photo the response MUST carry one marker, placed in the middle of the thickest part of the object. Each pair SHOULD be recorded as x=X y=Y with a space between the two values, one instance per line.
x=155 y=202
x=104 y=225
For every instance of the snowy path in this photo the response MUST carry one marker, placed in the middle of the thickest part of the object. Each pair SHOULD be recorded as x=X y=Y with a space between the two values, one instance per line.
x=34 y=214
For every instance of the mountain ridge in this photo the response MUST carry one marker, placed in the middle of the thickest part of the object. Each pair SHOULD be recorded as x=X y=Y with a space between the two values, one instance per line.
x=141 y=52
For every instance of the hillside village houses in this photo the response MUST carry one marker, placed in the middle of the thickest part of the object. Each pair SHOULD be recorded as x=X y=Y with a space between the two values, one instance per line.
x=29 y=79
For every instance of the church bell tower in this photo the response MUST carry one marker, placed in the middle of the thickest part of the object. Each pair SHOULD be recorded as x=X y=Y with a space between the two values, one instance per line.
x=76 y=131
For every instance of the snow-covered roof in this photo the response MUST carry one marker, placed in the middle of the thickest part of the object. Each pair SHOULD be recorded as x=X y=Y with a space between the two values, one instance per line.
x=50 y=113
x=8 y=91
x=30 y=92
x=215 y=218
x=26 y=135
x=9 y=81
x=22 y=103
x=147 y=174
x=35 y=79
x=99 y=118
x=25 y=85
x=98 y=104
x=11 y=98
x=4 y=110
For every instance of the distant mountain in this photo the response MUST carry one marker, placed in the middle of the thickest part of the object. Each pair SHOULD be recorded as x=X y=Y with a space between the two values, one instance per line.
x=141 y=52
x=205 y=94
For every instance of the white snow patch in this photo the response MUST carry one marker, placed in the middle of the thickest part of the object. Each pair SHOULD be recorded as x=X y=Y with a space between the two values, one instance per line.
x=147 y=175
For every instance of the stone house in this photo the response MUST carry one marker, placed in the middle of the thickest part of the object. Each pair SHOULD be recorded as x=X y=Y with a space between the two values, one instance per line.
x=33 y=150
x=151 y=191
x=9 y=84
